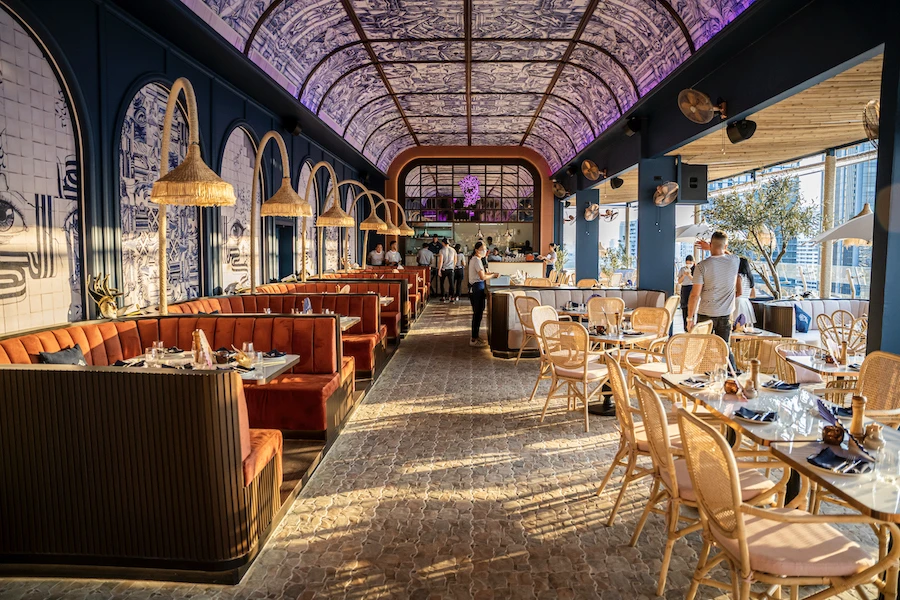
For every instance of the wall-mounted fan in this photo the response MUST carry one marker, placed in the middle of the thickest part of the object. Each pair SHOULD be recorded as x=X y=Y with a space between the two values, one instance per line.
x=590 y=170
x=871 y=120
x=609 y=215
x=697 y=106
x=559 y=190
x=665 y=194
x=592 y=212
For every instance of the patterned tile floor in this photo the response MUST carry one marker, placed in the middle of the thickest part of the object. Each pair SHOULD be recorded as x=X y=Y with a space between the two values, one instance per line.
x=445 y=485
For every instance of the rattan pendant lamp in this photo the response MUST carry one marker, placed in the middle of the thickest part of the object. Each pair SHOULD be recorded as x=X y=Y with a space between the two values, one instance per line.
x=335 y=216
x=191 y=183
x=283 y=203
x=404 y=230
x=371 y=223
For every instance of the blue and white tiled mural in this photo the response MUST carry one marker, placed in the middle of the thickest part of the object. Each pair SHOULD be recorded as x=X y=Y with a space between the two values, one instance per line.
x=237 y=169
x=312 y=234
x=139 y=160
x=40 y=247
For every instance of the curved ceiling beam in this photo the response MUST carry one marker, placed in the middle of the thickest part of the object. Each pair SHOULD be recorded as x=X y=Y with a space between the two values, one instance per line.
x=374 y=131
x=256 y=26
x=563 y=129
x=684 y=30
x=620 y=64
x=345 y=74
x=602 y=82
x=322 y=61
x=551 y=146
x=391 y=143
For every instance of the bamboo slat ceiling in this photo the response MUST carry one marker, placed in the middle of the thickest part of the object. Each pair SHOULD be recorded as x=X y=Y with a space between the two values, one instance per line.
x=826 y=115
x=390 y=74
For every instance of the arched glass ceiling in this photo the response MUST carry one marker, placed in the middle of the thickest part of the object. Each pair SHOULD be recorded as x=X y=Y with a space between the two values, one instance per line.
x=547 y=74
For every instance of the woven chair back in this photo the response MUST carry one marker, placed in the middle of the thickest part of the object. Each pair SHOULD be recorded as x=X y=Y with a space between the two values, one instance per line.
x=566 y=343
x=696 y=353
x=524 y=306
x=586 y=283
x=602 y=311
x=539 y=316
x=879 y=381
x=653 y=415
x=621 y=397
x=704 y=328
x=538 y=282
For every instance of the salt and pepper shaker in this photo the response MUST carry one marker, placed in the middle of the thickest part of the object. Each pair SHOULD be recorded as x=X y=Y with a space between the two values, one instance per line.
x=751 y=389
x=844 y=356
x=858 y=406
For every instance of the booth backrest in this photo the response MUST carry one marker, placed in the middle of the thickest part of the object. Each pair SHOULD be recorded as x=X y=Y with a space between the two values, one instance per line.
x=815 y=307
x=315 y=338
x=364 y=306
x=503 y=302
x=418 y=285
x=424 y=272
x=387 y=288
x=120 y=466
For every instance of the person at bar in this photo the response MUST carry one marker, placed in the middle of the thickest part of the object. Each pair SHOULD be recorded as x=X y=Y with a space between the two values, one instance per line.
x=376 y=256
x=393 y=258
x=477 y=275
x=686 y=281
x=446 y=267
x=459 y=273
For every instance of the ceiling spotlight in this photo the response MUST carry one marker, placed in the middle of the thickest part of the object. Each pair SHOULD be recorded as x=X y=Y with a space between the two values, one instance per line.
x=740 y=131
x=632 y=126
x=571 y=171
x=616 y=182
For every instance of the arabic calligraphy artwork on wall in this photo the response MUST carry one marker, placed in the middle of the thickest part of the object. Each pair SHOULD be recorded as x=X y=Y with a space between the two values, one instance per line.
x=40 y=251
x=139 y=160
x=237 y=169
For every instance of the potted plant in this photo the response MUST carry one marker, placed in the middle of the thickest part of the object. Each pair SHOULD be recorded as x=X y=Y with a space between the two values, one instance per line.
x=613 y=259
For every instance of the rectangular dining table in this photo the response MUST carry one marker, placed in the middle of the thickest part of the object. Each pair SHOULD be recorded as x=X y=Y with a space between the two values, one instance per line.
x=348 y=322
x=385 y=300
x=270 y=369
x=823 y=368
x=754 y=333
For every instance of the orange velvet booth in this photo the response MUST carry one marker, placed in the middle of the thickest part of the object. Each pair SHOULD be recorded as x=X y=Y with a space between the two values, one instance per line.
x=365 y=341
x=424 y=273
x=417 y=297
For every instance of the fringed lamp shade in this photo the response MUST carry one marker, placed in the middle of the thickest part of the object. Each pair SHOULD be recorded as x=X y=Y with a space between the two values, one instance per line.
x=286 y=203
x=373 y=223
x=192 y=183
x=392 y=230
x=335 y=217
x=406 y=230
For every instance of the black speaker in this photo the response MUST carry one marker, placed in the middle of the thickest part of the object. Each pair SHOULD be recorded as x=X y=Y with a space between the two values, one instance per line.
x=740 y=131
x=292 y=126
x=693 y=181
x=616 y=182
x=632 y=126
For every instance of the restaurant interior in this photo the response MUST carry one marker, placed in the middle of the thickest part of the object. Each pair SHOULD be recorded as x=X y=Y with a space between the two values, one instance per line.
x=456 y=299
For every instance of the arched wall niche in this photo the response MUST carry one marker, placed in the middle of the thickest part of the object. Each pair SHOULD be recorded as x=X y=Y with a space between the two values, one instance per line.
x=239 y=157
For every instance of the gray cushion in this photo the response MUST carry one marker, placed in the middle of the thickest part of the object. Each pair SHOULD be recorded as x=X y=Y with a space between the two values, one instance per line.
x=67 y=356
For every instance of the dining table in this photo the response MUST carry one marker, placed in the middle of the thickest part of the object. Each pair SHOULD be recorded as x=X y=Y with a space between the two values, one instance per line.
x=753 y=333
x=385 y=300
x=836 y=370
x=620 y=342
x=348 y=322
x=261 y=374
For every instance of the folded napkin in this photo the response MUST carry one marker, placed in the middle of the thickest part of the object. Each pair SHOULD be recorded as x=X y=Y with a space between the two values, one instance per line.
x=632 y=333
x=840 y=463
x=855 y=366
x=174 y=350
x=274 y=354
x=241 y=369
x=781 y=386
x=125 y=363
x=753 y=415
x=695 y=383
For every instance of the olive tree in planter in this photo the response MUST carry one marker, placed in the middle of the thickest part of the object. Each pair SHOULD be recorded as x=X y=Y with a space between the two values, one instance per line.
x=613 y=259
x=762 y=221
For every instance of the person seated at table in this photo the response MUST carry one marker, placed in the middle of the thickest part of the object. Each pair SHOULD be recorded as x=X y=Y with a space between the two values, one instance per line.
x=490 y=245
x=742 y=304
x=494 y=256
x=393 y=258
x=376 y=256
x=526 y=247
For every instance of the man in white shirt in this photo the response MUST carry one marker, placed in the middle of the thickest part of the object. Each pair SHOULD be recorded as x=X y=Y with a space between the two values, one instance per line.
x=446 y=266
x=716 y=284
x=376 y=256
x=424 y=256
x=393 y=258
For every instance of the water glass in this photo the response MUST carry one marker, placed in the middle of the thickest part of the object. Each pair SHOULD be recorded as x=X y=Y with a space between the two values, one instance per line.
x=159 y=345
x=257 y=365
x=267 y=311
x=247 y=347
x=887 y=464
x=151 y=356
x=296 y=311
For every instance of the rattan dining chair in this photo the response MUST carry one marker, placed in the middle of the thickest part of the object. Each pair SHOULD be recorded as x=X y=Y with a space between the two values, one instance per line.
x=602 y=311
x=553 y=276
x=651 y=320
x=539 y=316
x=776 y=548
x=671 y=305
x=616 y=279
x=572 y=364
x=587 y=283
x=524 y=305
x=746 y=349
x=704 y=328
x=841 y=327
x=538 y=282
x=672 y=484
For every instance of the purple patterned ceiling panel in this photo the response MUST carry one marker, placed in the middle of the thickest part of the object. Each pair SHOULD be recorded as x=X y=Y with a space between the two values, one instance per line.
x=569 y=117
x=425 y=124
x=300 y=33
x=383 y=136
x=313 y=49
x=518 y=50
x=410 y=18
x=350 y=93
x=444 y=139
x=426 y=77
x=642 y=35
x=496 y=139
x=505 y=104
x=501 y=124
x=369 y=118
x=512 y=77
x=329 y=71
x=527 y=18
x=542 y=147
x=233 y=19
x=557 y=136
x=607 y=69
x=583 y=89
x=390 y=153
x=451 y=105
x=400 y=51
x=706 y=18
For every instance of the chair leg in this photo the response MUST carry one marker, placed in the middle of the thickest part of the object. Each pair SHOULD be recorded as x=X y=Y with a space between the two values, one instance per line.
x=651 y=502
x=629 y=475
x=586 y=420
x=620 y=453
x=699 y=572
x=553 y=387
x=672 y=527
x=525 y=341
x=745 y=587
x=536 y=384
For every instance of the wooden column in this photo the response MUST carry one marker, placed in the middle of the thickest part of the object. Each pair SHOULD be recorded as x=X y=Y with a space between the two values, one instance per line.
x=826 y=252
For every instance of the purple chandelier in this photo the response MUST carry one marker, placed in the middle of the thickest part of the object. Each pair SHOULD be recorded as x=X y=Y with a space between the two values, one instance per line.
x=471 y=188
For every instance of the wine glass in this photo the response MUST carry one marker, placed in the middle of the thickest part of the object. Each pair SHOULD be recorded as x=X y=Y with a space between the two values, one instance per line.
x=247 y=347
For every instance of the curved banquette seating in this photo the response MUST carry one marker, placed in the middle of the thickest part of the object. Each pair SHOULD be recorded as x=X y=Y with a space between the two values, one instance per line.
x=394 y=316
x=365 y=341
x=505 y=331
x=127 y=468
x=424 y=273
x=309 y=401
x=815 y=307
x=417 y=292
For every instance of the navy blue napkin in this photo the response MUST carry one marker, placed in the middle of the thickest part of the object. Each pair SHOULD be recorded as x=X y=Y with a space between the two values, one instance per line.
x=839 y=463
x=753 y=415
x=274 y=354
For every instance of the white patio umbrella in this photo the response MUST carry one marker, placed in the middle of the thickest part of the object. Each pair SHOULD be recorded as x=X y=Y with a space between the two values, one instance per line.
x=855 y=232
x=690 y=233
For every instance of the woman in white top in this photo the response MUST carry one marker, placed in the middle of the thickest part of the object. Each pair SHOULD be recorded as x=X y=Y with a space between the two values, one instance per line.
x=477 y=275
x=686 y=281
x=742 y=304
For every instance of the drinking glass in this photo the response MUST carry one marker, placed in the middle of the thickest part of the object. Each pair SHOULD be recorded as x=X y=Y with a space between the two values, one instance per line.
x=887 y=464
x=257 y=365
x=267 y=311
x=247 y=347
x=159 y=345
x=296 y=311
x=151 y=356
